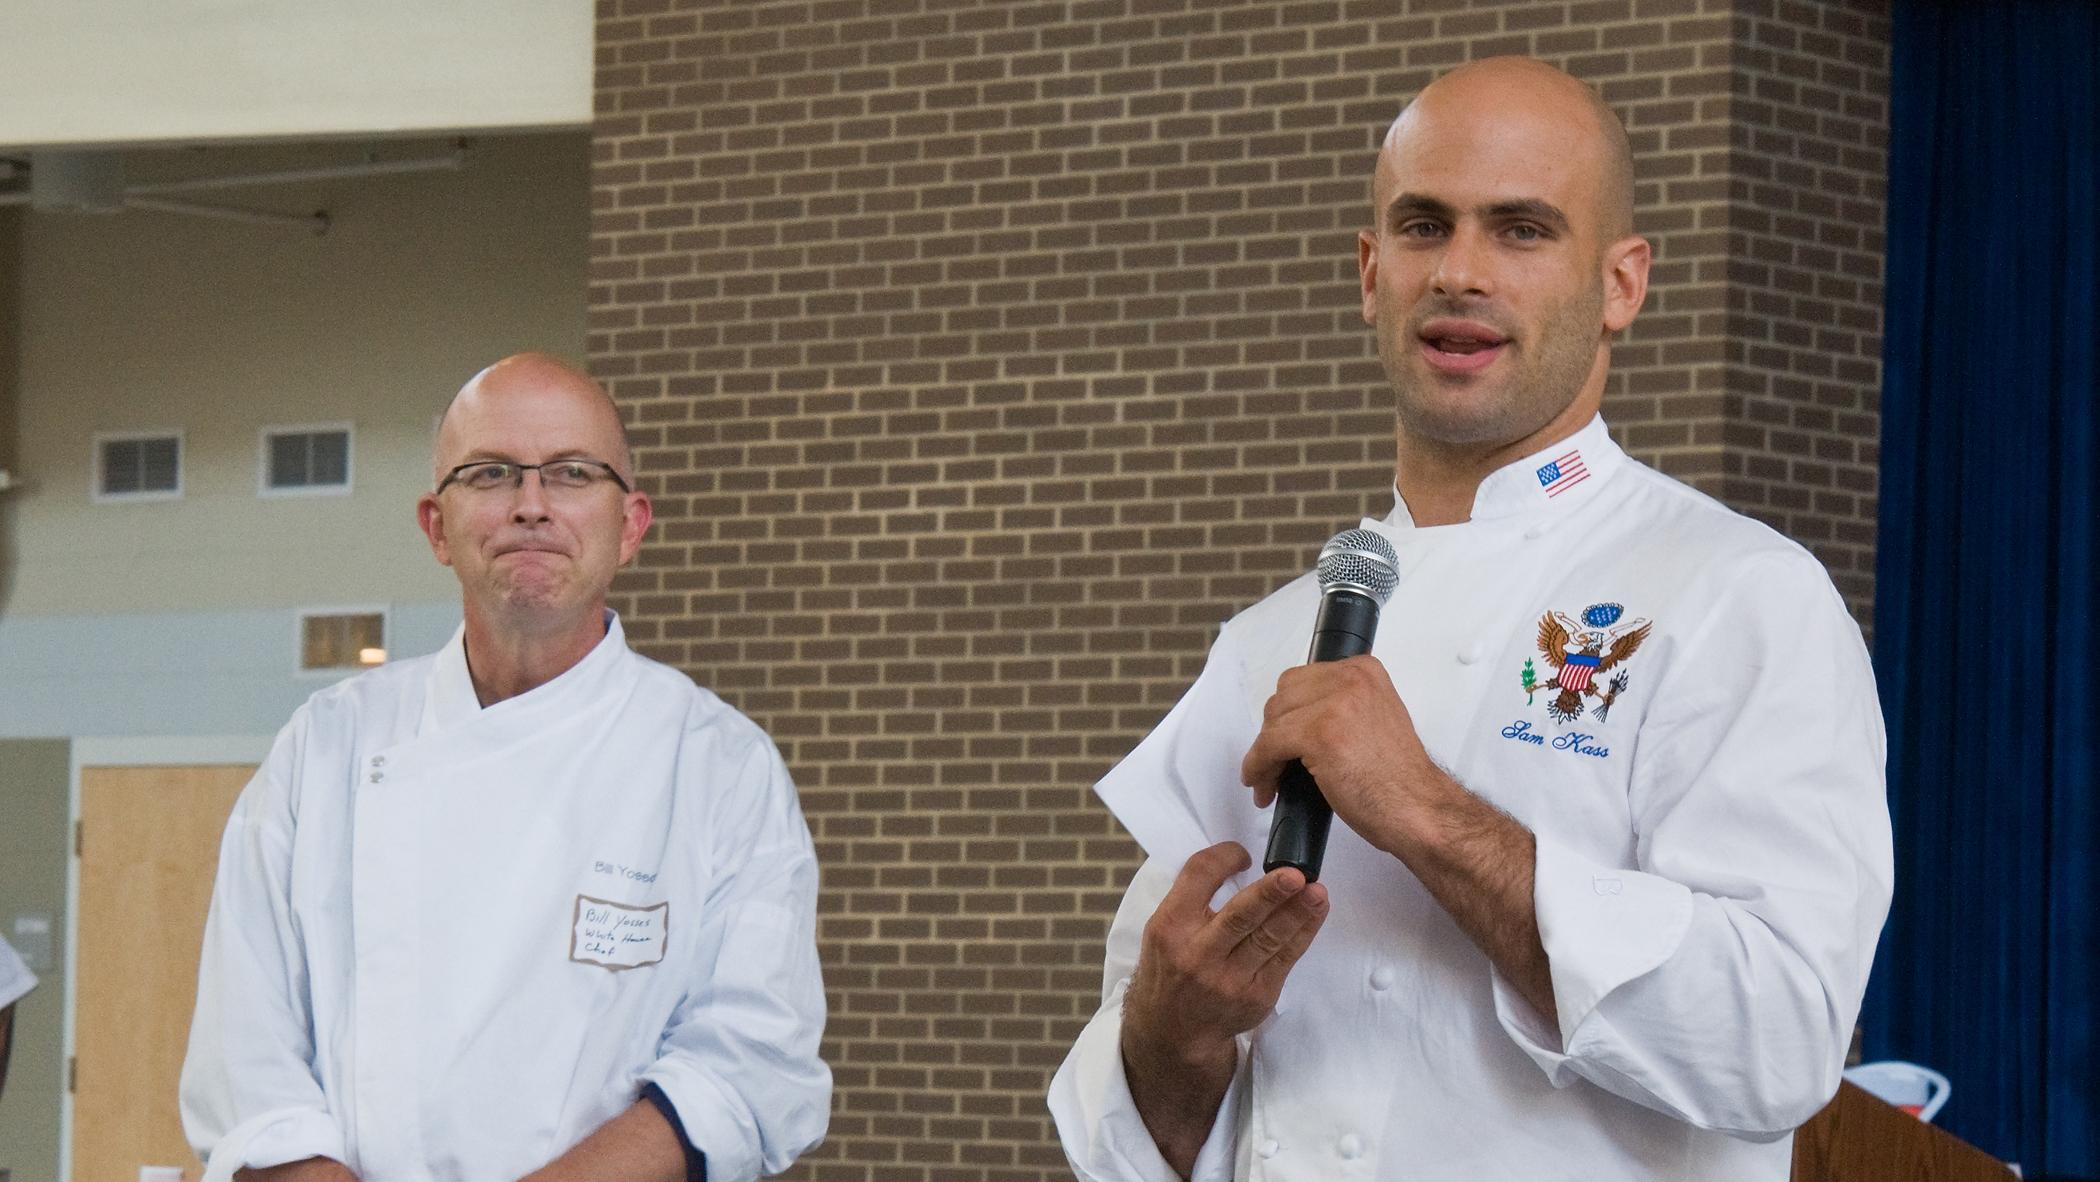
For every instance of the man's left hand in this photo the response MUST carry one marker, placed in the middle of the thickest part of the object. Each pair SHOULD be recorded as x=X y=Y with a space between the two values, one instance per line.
x=1347 y=724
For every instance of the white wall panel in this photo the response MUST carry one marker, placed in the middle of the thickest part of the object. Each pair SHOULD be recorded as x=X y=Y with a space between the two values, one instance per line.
x=84 y=72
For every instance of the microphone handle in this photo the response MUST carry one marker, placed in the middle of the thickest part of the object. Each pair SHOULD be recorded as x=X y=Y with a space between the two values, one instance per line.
x=1347 y=623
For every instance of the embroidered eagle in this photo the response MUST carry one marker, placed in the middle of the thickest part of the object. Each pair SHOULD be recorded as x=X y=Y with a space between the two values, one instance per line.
x=1578 y=653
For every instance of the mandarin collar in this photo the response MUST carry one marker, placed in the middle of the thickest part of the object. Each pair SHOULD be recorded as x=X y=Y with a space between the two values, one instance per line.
x=1559 y=475
x=451 y=700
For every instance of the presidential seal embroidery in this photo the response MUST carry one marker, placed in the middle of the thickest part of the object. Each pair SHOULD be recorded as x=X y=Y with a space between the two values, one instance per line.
x=1580 y=653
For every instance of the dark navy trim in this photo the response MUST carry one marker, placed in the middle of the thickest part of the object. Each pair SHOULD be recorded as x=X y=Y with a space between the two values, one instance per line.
x=695 y=1161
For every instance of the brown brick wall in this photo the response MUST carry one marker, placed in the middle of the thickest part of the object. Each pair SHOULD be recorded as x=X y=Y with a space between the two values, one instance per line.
x=985 y=355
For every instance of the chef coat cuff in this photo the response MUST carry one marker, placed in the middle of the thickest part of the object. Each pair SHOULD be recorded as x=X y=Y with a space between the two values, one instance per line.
x=1601 y=926
x=273 y=1139
x=695 y=1161
x=1119 y=1146
x=706 y=1118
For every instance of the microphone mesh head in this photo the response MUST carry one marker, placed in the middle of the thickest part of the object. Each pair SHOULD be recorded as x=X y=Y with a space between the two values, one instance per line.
x=1360 y=560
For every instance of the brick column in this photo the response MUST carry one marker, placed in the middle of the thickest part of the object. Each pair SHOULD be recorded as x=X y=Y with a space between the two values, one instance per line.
x=1808 y=148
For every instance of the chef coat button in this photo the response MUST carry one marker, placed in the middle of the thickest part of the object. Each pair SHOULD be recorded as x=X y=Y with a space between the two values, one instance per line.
x=1382 y=977
x=1535 y=532
x=1351 y=1146
x=1470 y=655
x=378 y=776
x=1270 y=1148
x=379 y=761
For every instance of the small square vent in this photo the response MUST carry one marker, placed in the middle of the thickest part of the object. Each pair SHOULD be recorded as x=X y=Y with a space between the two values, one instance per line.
x=306 y=460
x=138 y=467
x=334 y=640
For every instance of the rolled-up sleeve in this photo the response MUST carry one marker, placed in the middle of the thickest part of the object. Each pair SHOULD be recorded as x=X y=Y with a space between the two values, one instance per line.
x=249 y=1096
x=739 y=1058
x=1717 y=979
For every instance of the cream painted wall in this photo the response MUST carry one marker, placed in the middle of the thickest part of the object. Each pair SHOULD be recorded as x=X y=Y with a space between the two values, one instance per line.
x=137 y=71
x=148 y=320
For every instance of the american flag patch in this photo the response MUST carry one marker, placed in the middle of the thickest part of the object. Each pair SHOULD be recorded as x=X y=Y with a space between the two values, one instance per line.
x=1562 y=474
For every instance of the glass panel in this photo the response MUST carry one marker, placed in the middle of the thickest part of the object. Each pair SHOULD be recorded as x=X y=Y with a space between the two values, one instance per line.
x=159 y=465
x=365 y=632
x=120 y=466
x=331 y=457
x=339 y=642
x=287 y=461
x=323 y=643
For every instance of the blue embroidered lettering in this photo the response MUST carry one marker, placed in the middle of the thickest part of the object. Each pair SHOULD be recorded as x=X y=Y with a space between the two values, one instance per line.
x=1580 y=745
x=1521 y=732
x=1574 y=742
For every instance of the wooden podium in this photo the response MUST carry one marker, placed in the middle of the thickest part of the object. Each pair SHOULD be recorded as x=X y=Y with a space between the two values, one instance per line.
x=1858 y=1138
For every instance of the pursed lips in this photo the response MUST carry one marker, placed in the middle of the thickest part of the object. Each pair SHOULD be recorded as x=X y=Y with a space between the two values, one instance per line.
x=529 y=548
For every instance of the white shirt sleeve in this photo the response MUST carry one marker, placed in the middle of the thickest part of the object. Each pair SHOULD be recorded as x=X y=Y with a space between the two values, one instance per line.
x=1098 y=1122
x=249 y=1096
x=1718 y=982
x=739 y=1060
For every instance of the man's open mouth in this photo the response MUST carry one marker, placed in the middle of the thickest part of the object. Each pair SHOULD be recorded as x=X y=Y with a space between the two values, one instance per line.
x=1460 y=346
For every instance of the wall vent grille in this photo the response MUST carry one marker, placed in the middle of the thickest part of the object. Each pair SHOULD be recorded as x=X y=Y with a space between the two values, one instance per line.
x=138 y=466
x=306 y=460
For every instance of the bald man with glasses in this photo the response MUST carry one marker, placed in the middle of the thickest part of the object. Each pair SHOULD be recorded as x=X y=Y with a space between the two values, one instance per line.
x=533 y=906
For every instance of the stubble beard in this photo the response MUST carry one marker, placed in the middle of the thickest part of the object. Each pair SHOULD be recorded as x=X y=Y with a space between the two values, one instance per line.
x=1540 y=380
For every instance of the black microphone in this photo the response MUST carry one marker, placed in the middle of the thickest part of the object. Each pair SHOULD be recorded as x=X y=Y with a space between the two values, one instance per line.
x=1358 y=571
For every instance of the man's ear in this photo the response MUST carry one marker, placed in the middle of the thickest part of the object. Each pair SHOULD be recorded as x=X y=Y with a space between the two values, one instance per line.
x=1625 y=281
x=636 y=514
x=431 y=517
x=1367 y=273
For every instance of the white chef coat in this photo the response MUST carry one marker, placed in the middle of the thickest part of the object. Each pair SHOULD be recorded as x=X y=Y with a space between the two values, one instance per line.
x=449 y=942
x=1713 y=859
x=15 y=978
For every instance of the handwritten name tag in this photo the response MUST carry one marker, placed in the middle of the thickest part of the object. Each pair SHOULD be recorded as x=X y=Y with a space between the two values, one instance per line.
x=616 y=935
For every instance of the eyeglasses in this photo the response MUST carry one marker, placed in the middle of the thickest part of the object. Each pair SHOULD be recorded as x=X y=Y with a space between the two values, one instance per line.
x=491 y=475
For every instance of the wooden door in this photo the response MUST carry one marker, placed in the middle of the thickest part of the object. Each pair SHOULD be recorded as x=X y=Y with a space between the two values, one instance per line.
x=149 y=848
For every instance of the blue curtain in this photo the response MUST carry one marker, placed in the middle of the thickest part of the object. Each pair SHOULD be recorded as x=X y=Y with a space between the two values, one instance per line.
x=1985 y=637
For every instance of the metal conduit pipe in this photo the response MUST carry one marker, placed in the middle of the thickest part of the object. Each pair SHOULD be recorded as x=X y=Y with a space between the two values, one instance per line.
x=143 y=196
x=455 y=159
x=317 y=221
